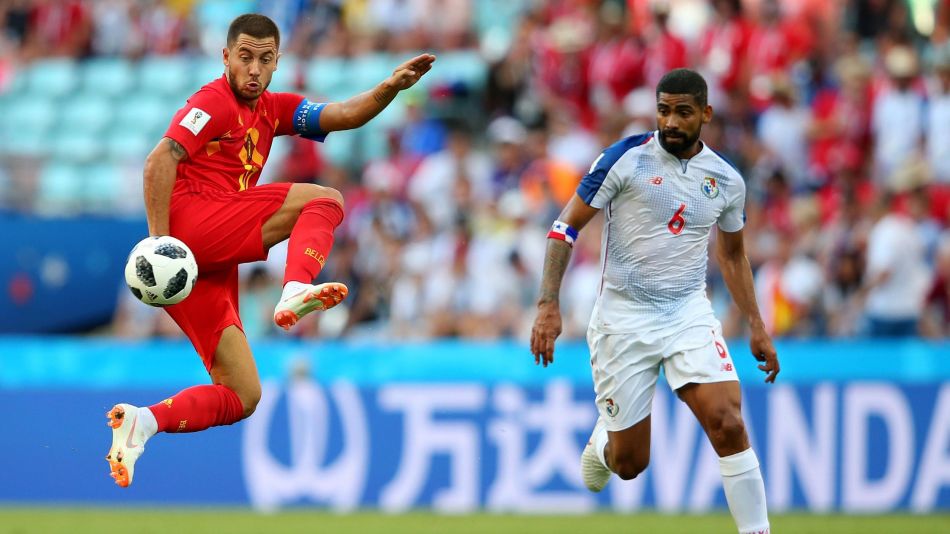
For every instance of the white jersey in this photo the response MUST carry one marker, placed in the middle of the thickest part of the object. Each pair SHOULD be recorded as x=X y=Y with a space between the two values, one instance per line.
x=659 y=211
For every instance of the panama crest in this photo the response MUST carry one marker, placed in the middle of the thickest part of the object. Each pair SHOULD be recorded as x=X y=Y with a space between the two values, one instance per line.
x=710 y=187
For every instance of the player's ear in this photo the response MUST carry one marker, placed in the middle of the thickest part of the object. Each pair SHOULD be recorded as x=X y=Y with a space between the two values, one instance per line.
x=225 y=54
x=707 y=114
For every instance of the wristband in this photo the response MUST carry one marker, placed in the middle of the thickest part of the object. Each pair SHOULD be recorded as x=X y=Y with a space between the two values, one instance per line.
x=563 y=231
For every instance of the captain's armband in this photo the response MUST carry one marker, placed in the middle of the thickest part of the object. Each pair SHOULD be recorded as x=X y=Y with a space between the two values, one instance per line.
x=564 y=232
x=307 y=120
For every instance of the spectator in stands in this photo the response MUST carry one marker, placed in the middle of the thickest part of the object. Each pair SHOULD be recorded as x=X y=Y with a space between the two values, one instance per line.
x=723 y=49
x=507 y=136
x=938 y=117
x=437 y=185
x=782 y=129
x=59 y=28
x=896 y=276
x=900 y=103
x=664 y=50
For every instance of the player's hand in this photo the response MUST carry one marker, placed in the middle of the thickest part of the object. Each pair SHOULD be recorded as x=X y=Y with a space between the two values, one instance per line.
x=407 y=74
x=547 y=326
x=764 y=351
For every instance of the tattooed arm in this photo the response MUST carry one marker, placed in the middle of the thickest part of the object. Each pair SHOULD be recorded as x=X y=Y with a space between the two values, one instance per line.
x=547 y=325
x=358 y=110
x=161 y=168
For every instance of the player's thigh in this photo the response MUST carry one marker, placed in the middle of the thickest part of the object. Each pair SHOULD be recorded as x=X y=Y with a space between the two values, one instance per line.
x=625 y=371
x=701 y=371
x=235 y=368
x=224 y=228
x=278 y=226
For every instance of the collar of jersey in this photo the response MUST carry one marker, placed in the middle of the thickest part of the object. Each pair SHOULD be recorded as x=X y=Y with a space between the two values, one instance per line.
x=675 y=160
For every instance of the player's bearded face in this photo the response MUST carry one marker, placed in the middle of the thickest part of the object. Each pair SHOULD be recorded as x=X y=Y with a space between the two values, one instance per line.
x=251 y=63
x=680 y=120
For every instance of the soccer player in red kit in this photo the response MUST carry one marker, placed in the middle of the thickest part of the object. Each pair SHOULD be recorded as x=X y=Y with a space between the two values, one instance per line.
x=200 y=186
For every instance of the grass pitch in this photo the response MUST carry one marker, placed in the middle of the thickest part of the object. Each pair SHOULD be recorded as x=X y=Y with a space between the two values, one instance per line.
x=240 y=521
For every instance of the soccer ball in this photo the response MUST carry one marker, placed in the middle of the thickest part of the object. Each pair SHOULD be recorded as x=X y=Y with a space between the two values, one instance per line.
x=161 y=271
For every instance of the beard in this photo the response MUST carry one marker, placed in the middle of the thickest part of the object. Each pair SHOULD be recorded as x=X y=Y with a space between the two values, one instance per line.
x=242 y=92
x=680 y=144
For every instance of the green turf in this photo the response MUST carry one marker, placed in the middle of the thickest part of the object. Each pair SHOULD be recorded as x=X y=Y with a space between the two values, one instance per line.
x=213 y=521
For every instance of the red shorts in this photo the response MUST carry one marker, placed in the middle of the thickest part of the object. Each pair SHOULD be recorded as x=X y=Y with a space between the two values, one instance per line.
x=223 y=229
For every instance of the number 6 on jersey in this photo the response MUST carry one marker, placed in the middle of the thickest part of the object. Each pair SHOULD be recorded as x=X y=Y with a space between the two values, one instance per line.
x=677 y=223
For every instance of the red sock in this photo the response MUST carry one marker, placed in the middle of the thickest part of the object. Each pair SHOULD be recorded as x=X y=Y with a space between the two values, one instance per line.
x=311 y=239
x=198 y=408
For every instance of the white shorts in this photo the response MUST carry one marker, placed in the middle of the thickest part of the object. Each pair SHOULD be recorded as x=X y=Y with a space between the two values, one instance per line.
x=625 y=368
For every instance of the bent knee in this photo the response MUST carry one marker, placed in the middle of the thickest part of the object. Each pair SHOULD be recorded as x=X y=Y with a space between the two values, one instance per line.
x=315 y=192
x=727 y=426
x=249 y=401
x=627 y=467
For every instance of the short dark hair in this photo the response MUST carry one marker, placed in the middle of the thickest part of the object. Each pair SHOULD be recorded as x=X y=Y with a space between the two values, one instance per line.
x=257 y=26
x=684 y=82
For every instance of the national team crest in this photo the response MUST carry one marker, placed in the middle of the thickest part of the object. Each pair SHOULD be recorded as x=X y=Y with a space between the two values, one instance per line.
x=612 y=409
x=710 y=187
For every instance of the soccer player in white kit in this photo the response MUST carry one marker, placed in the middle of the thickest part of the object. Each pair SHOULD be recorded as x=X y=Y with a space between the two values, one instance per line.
x=662 y=193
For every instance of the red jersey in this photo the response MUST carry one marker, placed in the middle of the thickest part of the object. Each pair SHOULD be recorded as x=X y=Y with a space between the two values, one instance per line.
x=227 y=142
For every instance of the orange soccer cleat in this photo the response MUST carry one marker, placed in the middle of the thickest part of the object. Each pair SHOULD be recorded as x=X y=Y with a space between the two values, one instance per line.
x=128 y=442
x=299 y=299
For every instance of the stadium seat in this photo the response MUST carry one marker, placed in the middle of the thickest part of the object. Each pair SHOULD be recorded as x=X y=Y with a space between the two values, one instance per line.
x=145 y=112
x=126 y=145
x=109 y=77
x=27 y=115
x=27 y=143
x=325 y=76
x=53 y=78
x=102 y=187
x=339 y=147
x=366 y=71
x=75 y=145
x=205 y=69
x=285 y=77
x=89 y=111
x=59 y=189
x=165 y=76
x=467 y=67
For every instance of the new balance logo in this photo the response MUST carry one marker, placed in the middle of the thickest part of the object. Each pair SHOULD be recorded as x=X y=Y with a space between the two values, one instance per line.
x=182 y=424
x=656 y=180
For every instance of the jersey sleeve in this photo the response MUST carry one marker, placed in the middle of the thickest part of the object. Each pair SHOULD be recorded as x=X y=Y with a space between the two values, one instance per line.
x=602 y=182
x=298 y=116
x=732 y=218
x=203 y=118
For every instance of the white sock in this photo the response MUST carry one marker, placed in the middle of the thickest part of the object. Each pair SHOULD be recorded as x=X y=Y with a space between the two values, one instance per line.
x=147 y=422
x=600 y=441
x=292 y=288
x=745 y=492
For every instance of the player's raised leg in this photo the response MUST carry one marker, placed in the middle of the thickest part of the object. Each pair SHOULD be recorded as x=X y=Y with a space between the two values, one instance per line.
x=717 y=405
x=308 y=216
x=233 y=396
x=626 y=453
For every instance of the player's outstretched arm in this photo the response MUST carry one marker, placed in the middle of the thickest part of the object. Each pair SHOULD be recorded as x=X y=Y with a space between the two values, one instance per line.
x=358 y=110
x=736 y=271
x=547 y=325
x=161 y=167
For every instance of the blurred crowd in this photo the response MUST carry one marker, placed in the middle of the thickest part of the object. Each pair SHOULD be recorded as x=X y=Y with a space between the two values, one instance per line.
x=836 y=112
